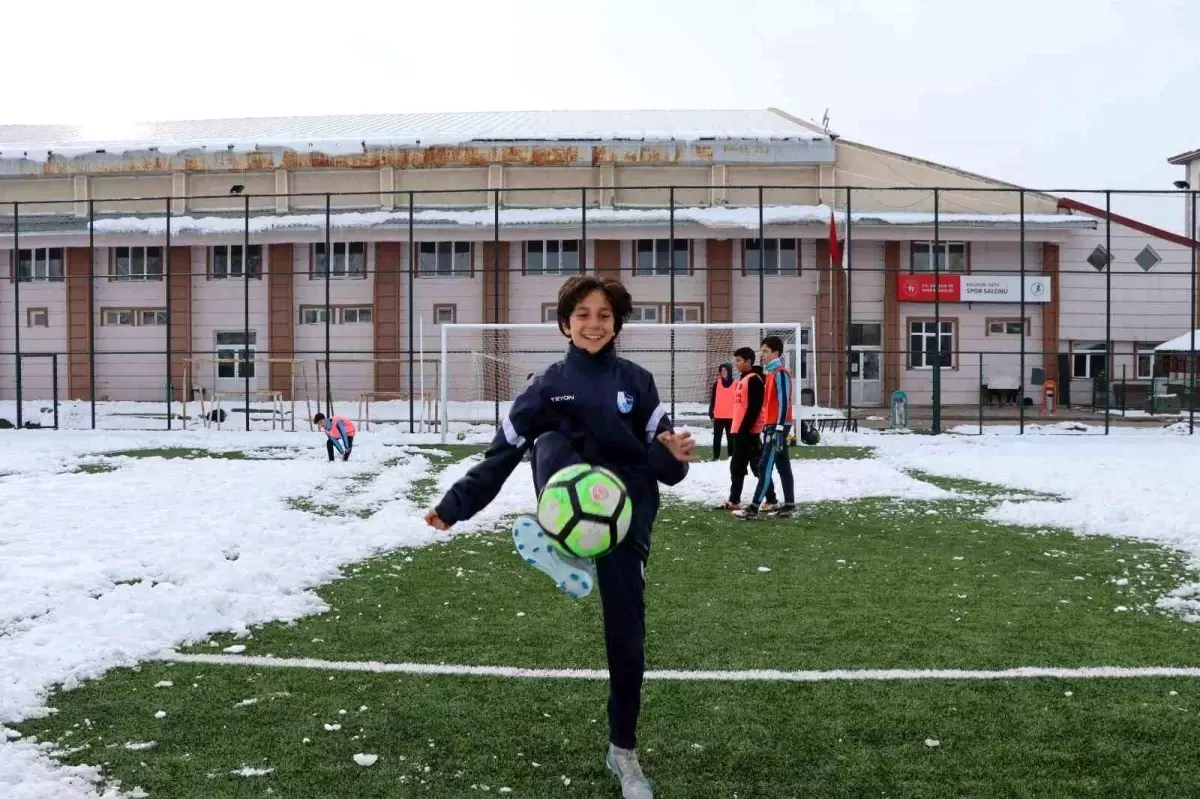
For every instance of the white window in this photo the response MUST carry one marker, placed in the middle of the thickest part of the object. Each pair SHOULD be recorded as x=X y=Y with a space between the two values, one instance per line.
x=444 y=259
x=927 y=340
x=37 y=317
x=313 y=316
x=688 y=313
x=953 y=256
x=652 y=257
x=357 y=315
x=118 y=317
x=552 y=257
x=549 y=313
x=153 y=317
x=40 y=264
x=644 y=312
x=445 y=314
x=1006 y=327
x=349 y=260
x=781 y=256
x=1145 y=361
x=235 y=354
x=137 y=263
x=235 y=260
x=1088 y=361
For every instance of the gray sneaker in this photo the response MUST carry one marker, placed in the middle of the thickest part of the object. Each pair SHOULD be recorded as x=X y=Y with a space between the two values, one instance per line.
x=624 y=764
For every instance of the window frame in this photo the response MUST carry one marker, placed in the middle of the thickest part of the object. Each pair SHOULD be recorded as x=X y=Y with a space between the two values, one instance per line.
x=748 y=272
x=31 y=313
x=1090 y=351
x=945 y=270
x=104 y=317
x=1143 y=349
x=317 y=272
x=927 y=362
x=256 y=262
x=50 y=276
x=1008 y=322
x=358 y=310
x=145 y=276
x=688 y=260
x=141 y=317
x=243 y=369
x=443 y=306
x=560 y=272
x=453 y=246
x=318 y=310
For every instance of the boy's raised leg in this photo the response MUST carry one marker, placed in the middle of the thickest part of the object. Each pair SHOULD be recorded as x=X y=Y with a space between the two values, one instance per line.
x=574 y=576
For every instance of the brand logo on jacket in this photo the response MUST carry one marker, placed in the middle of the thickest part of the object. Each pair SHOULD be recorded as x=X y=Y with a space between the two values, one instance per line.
x=563 y=398
x=624 y=402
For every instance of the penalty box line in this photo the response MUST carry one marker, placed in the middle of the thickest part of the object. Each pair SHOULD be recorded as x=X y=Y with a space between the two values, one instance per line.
x=683 y=675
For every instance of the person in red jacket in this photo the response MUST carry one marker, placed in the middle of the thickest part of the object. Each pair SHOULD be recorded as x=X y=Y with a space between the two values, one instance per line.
x=720 y=408
x=339 y=433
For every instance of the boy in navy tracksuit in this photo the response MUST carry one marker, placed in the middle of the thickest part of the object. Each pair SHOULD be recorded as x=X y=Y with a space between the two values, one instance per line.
x=591 y=407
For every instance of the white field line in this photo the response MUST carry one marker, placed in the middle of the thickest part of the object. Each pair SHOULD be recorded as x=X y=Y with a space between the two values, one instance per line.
x=749 y=675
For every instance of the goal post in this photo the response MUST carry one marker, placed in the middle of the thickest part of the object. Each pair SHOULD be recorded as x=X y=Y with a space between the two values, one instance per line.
x=485 y=366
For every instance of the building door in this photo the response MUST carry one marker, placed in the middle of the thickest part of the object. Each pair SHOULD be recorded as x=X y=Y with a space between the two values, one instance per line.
x=866 y=359
x=235 y=361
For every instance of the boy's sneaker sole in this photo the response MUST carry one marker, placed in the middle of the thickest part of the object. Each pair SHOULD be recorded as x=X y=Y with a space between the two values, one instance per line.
x=573 y=577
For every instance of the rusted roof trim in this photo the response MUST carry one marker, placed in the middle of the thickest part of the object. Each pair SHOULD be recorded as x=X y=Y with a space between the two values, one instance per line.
x=1133 y=224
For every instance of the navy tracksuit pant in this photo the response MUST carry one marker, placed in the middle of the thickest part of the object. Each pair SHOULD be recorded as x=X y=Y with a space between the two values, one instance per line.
x=621 y=574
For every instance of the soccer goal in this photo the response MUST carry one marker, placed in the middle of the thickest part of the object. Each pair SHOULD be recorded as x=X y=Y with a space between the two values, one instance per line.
x=484 y=367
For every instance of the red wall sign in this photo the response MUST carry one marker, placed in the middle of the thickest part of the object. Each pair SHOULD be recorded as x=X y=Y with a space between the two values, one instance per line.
x=921 y=288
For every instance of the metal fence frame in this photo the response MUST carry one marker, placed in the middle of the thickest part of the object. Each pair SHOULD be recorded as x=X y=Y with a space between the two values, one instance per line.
x=496 y=196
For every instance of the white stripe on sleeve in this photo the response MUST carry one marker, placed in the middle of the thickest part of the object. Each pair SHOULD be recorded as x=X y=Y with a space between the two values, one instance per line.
x=655 y=418
x=510 y=433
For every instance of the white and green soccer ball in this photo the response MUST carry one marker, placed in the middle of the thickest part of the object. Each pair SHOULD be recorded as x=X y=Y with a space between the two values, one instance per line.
x=585 y=510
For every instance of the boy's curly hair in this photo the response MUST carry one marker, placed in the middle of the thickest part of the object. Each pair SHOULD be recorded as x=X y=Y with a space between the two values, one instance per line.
x=574 y=289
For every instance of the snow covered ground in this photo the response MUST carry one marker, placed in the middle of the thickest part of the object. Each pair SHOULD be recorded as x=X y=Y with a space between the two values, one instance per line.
x=107 y=569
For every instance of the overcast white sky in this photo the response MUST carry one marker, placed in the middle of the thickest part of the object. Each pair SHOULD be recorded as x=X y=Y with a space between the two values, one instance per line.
x=1045 y=93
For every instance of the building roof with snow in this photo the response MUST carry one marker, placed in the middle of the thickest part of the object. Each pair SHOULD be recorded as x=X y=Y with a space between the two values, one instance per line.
x=1185 y=158
x=1185 y=343
x=349 y=134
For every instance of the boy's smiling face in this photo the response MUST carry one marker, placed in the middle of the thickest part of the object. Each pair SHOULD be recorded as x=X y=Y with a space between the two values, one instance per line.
x=591 y=324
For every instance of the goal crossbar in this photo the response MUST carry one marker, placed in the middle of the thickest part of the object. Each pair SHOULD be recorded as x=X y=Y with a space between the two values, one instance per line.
x=797 y=329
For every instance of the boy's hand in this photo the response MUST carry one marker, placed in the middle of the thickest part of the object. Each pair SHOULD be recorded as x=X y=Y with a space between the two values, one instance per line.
x=435 y=521
x=680 y=445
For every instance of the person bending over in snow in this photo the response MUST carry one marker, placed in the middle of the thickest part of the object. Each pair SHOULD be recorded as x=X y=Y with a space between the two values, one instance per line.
x=339 y=433
x=591 y=407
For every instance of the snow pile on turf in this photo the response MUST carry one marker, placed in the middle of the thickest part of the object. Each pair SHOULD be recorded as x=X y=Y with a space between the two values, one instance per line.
x=816 y=481
x=1133 y=483
x=102 y=570
x=516 y=497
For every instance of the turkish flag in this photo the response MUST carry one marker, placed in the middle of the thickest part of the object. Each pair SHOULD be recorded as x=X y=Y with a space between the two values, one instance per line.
x=835 y=250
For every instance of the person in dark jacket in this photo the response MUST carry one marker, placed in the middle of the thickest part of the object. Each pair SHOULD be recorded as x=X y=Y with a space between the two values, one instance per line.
x=720 y=408
x=591 y=407
x=745 y=446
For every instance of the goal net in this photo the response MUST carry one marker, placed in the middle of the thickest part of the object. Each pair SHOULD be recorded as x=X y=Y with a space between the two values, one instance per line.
x=484 y=367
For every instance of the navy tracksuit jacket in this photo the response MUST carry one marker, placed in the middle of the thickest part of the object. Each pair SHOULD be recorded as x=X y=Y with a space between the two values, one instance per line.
x=602 y=410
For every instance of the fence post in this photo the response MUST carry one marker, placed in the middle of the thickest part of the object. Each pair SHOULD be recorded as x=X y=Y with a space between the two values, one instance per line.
x=1023 y=384
x=412 y=266
x=1192 y=326
x=981 y=393
x=937 y=316
x=671 y=305
x=54 y=384
x=15 y=270
x=328 y=272
x=762 y=283
x=496 y=307
x=92 y=308
x=1107 y=309
x=245 y=310
x=167 y=292
x=848 y=260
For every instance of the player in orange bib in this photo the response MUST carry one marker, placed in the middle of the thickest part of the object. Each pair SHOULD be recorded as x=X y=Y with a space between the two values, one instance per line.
x=339 y=433
x=777 y=425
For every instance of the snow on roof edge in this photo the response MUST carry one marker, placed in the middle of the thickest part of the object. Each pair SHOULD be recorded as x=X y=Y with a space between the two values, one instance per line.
x=713 y=218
